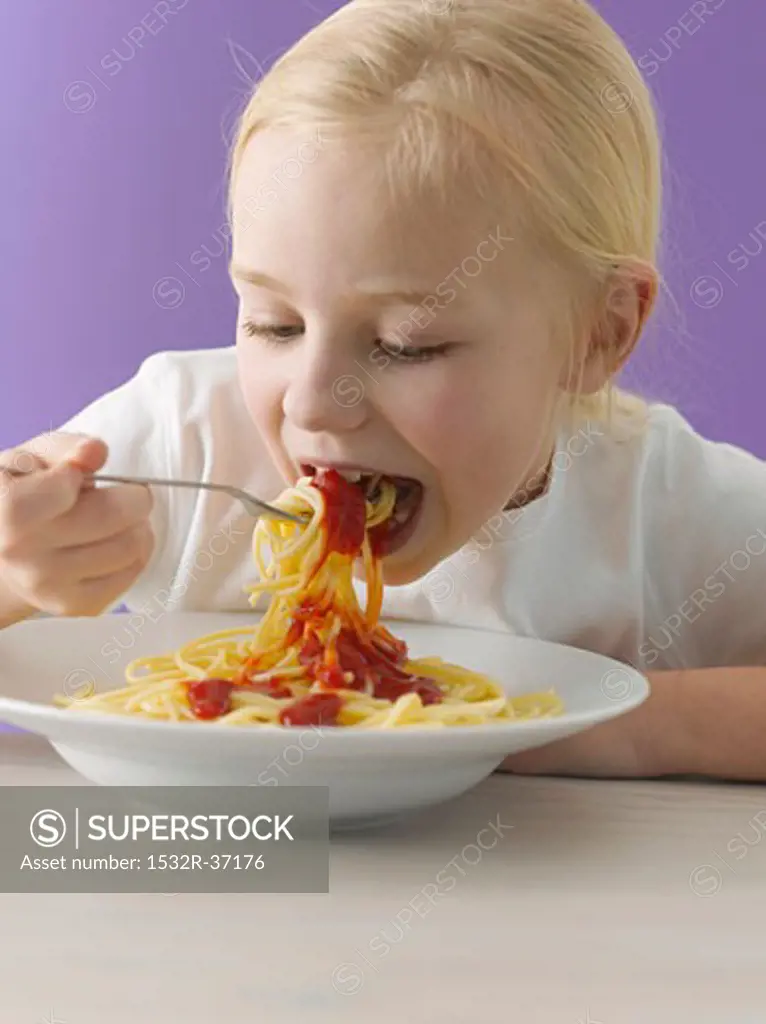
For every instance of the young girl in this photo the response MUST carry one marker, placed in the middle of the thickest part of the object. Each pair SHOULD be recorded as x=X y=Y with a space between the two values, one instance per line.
x=445 y=230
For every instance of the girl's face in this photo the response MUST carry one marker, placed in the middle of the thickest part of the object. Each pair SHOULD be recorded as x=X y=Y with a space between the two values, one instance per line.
x=412 y=341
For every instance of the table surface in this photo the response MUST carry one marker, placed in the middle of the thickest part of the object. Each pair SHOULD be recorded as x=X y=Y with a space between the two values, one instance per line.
x=605 y=903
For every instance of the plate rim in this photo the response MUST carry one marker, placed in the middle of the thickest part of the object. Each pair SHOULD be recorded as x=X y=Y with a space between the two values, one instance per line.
x=38 y=712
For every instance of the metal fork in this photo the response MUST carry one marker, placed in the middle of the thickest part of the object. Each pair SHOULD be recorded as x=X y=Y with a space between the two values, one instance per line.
x=252 y=505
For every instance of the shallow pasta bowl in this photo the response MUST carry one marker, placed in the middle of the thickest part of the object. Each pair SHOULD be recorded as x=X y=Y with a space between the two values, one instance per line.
x=371 y=774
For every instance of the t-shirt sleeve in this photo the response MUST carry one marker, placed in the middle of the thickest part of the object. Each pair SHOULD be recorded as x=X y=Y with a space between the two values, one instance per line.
x=704 y=552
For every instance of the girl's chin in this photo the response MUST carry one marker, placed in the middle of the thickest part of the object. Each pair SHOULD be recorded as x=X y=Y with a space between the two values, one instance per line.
x=397 y=572
x=408 y=565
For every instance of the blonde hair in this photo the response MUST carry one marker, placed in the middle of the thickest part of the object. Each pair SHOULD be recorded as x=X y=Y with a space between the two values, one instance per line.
x=537 y=95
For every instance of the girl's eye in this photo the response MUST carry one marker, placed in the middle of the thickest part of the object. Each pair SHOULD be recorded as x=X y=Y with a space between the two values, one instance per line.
x=411 y=353
x=275 y=333
x=281 y=334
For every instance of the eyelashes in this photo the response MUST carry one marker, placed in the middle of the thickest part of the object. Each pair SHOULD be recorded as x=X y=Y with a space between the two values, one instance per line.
x=277 y=333
x=281 y=335
x=411 y=353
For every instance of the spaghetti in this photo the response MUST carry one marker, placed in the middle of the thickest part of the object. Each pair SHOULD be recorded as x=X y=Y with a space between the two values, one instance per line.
x=317 y=657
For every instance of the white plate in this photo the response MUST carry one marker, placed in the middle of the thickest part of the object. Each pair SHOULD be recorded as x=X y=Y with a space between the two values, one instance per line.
x=371 y=775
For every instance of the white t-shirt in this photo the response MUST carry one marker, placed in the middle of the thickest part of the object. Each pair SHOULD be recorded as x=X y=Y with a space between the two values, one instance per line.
x=650 y=549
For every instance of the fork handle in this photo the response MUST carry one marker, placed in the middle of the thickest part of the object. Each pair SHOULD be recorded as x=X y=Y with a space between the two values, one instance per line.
x=145 y=481
x=250 y=502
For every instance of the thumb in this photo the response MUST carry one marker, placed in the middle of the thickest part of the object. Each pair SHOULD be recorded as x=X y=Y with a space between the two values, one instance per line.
x=46 y=451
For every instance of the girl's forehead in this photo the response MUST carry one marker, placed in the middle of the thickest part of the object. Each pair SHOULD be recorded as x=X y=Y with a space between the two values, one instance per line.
x=301 y=199
x=344 y=176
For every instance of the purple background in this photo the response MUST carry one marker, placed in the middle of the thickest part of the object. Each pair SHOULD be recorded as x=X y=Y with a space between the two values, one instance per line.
x=113 y=176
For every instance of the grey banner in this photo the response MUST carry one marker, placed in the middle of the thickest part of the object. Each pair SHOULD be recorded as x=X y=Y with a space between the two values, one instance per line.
x=164 y=839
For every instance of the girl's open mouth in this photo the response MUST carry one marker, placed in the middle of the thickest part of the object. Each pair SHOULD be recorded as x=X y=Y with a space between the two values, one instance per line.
x=394 y=532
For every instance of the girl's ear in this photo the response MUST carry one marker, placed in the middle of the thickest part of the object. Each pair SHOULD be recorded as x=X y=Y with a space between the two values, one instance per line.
x=627 y=302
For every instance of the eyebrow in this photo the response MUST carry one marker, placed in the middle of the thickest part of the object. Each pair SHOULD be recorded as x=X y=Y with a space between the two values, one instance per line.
x=389 y=289
x=373 y=289
x=258 y=279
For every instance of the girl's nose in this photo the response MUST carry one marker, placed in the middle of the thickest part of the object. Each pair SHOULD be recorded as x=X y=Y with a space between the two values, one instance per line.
x=323 y=394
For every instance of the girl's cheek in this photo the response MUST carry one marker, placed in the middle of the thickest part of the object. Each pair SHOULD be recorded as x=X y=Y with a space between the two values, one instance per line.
x=429 y=426
x=260 y=390
x=444 y=417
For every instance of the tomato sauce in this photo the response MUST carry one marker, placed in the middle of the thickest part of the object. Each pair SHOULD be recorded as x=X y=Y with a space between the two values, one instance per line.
x=345 y=513
x=315 y=709
x=209 y=698
x=359 y=659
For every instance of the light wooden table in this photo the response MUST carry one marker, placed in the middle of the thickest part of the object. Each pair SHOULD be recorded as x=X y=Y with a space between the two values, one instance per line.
x=585 y=911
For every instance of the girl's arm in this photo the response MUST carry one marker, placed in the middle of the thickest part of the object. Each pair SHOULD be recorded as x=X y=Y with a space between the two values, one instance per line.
x=707 y=722
x=700 y=509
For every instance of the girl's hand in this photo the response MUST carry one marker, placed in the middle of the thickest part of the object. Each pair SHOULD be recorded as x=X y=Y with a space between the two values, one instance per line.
x=67 y=548
x=609 y=750
x=705 y=722
x=647 y=742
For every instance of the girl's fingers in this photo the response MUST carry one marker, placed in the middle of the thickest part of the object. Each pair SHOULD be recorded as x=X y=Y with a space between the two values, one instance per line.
x=48 y=450
x=106 y=557
x=93 y=596
x=100 y=514
x=29 y=502
x=42 y=480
